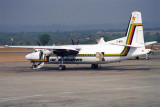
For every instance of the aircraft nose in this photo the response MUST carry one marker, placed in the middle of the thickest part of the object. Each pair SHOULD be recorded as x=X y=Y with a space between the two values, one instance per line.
x=28 y=56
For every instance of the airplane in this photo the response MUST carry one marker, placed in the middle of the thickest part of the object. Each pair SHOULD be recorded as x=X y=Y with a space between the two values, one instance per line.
x=131 y=45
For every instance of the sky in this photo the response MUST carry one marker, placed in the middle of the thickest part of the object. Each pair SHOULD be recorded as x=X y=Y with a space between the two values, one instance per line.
x=76 y=12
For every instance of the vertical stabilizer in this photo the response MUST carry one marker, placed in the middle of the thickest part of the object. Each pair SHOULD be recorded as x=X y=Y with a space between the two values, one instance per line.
x=135 y=30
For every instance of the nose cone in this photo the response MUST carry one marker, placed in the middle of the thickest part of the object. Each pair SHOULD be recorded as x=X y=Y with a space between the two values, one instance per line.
x=28 y=56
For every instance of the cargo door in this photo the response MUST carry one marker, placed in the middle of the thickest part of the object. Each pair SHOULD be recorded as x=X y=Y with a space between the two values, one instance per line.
x=99 y=56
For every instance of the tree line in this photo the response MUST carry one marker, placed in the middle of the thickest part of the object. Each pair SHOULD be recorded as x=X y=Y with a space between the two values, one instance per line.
x=61 y=37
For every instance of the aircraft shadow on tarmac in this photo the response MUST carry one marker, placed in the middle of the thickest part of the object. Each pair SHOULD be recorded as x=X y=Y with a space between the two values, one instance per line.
x=118 y=68
x=105 y=67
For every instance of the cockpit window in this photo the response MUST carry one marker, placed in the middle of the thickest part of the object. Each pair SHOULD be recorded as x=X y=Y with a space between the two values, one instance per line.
x=35 y=51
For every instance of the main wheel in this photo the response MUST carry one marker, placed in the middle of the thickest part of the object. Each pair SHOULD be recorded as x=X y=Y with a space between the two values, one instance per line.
x=137 y=57
x=94 y=66
x=64 y=67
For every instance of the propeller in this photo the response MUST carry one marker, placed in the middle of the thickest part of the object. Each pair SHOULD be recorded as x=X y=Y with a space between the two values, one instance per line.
x=40 y=55
x=74 y=43
x=151 y=50
x=38 y=43
x=78 y=41
x=41 y=52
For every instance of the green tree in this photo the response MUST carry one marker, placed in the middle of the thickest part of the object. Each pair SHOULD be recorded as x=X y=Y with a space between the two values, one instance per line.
x=44 y=39
x=21 y=42
x=27 y=42
x=158 y=37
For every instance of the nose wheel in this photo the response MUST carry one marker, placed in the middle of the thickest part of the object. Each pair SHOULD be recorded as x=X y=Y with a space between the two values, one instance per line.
x=62 y=67
x=37 y=65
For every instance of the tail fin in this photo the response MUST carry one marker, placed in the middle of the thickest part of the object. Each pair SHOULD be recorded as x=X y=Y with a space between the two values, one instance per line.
x=135 y=30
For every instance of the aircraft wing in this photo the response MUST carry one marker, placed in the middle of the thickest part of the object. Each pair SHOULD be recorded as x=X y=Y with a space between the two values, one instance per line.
x=59 y=50
x=43 y=47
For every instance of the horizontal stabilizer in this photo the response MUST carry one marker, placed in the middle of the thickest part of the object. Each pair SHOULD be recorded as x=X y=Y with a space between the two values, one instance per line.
x=133 y=46
x=150 y=43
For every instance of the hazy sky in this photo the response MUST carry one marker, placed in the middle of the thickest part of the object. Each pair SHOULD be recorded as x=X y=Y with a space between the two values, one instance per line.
x=76 y=12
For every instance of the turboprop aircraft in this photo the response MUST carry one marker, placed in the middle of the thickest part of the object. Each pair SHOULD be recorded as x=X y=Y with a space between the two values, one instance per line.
x=131 y=45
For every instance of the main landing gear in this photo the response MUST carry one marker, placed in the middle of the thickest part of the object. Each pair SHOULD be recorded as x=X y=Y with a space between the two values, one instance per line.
x=137 y=57
x=94 y=66
x=61 y=66
x=147 y=57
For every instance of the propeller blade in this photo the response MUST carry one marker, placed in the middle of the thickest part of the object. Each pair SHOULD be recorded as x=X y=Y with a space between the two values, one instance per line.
x=38 y=43
x=43 y=43
x=40 y=55
x=152 y=52
x=72 y=41
x=78 y=42
x=151 y=46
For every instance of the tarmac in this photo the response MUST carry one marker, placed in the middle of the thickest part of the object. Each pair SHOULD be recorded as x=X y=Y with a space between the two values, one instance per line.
x=130 y=83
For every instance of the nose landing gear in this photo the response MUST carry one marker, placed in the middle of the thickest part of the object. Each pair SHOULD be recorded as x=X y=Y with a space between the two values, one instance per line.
x=94 y=66
x=62 y=67
x=37 y=65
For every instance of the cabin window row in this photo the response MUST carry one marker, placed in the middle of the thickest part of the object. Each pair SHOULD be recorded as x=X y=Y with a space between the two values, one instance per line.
x=86 y=55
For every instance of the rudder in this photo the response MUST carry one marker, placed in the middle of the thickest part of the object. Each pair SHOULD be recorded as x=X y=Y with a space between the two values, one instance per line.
x=135 y=30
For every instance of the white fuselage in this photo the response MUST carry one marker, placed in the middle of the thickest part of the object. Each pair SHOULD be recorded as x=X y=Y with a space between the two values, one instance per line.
x=87 y=54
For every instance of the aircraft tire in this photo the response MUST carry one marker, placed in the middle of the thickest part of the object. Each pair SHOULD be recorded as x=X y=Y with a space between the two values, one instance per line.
x=94 y=66
x=137 y=57
x=33 y=66
x=62 y=67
